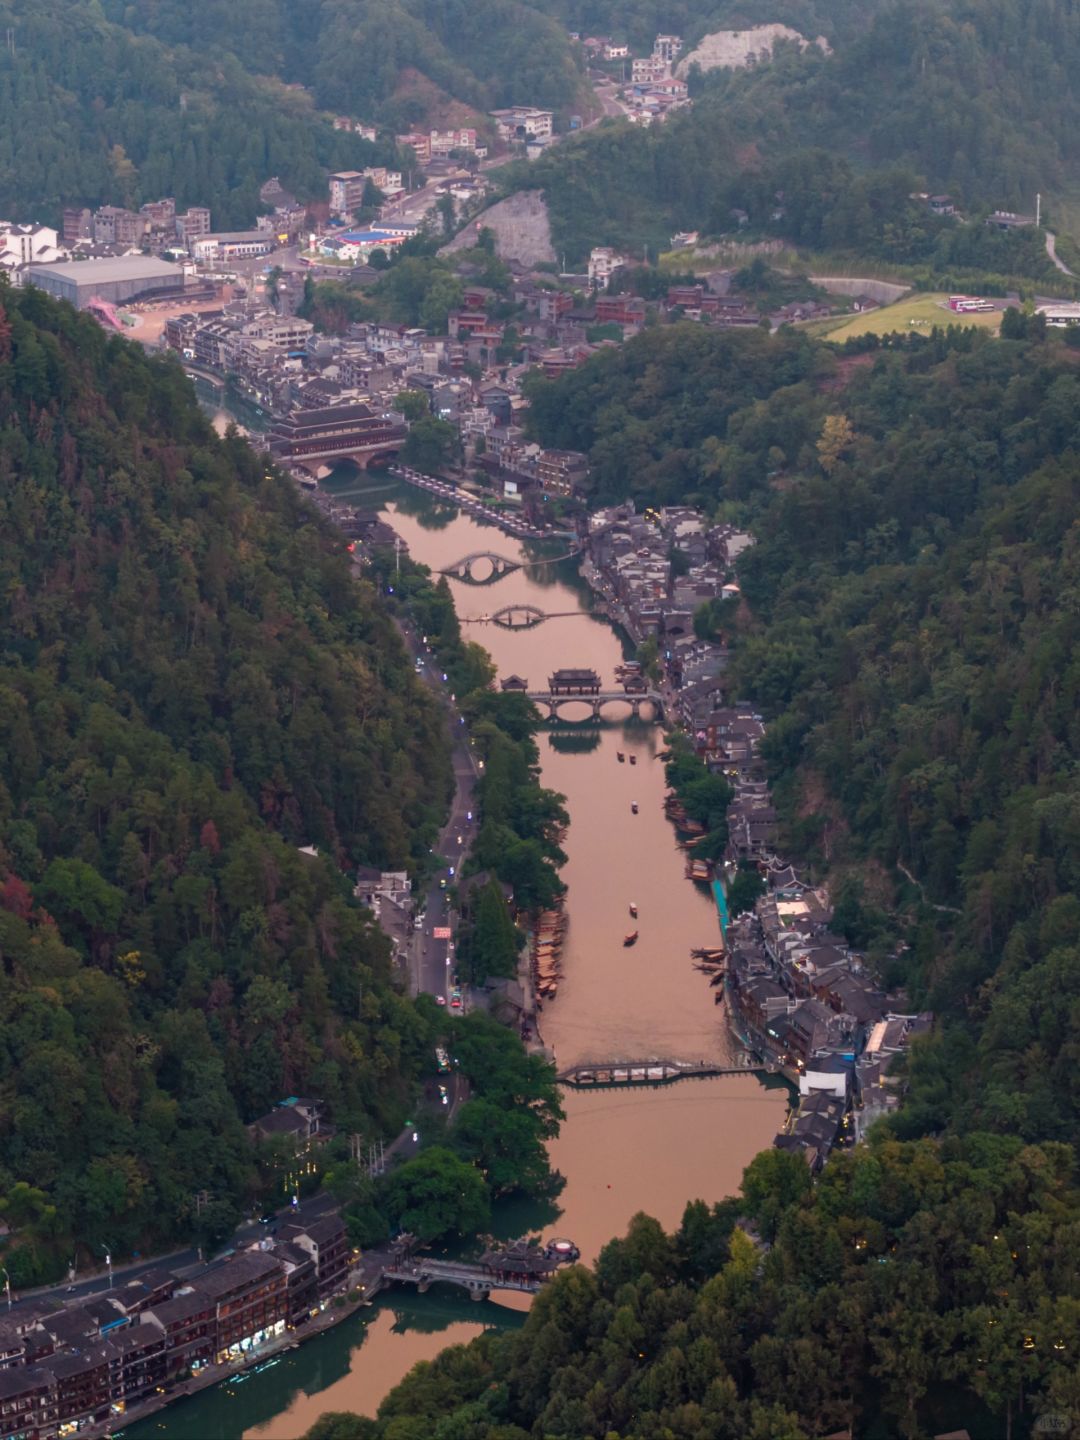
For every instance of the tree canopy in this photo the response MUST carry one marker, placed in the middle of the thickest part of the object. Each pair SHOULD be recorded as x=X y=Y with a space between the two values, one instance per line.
x=192 y=687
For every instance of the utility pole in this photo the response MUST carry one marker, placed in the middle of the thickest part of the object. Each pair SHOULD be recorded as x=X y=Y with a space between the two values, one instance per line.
x=1038 y=209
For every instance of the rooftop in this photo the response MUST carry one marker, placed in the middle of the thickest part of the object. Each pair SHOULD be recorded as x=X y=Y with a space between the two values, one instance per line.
x=114 y=267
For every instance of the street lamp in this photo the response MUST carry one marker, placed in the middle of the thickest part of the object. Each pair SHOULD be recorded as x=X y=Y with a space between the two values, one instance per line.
x=108 y=1262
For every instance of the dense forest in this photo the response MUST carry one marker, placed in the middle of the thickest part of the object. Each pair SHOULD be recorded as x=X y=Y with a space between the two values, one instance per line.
x=978 y=100
x=357 y=56
x=95 y=114
x=909 y=627
x=192 y=686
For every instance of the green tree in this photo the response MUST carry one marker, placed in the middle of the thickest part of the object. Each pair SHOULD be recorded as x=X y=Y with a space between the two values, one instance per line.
x=436 y=1195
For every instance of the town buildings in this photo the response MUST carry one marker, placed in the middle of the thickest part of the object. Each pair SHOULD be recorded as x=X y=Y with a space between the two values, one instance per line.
x=91 y=1362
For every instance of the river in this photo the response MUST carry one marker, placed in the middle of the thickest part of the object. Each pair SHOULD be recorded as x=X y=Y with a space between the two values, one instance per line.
x=621 y=1151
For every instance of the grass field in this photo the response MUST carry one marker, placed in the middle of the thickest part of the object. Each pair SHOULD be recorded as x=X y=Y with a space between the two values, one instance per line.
x=916 y=312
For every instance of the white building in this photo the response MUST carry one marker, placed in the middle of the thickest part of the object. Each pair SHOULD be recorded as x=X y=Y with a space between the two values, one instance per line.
x=1061 y=312
x=524 y=122
x=28 y=245
x=667 y=47
x=232 y=245
x=604 y=262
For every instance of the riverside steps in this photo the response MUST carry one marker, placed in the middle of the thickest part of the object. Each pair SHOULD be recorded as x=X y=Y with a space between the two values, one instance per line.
x=600 y=1074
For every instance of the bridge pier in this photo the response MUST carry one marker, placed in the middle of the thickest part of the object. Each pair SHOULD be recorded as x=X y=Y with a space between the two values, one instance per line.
x=480 y=1294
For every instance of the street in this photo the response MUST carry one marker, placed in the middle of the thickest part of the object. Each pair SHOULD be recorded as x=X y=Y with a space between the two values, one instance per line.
x=430 y=972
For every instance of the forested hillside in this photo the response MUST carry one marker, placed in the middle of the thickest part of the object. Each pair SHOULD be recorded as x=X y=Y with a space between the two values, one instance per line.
x=978 y=100
x=910 y=631
x=353 y=54
x=95 y=114
x=192 y=686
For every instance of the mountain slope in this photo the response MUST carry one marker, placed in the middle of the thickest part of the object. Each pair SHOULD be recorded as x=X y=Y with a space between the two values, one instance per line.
x=192 y=686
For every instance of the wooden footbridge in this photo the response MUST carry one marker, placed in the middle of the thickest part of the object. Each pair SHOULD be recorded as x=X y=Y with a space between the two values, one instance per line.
x=596 y=1075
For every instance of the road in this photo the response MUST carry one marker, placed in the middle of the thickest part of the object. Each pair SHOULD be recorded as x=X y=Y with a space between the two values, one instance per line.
x=431 y=958
x=1051 y=250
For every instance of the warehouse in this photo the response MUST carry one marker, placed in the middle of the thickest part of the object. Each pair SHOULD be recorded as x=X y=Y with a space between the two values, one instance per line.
x=127 y=277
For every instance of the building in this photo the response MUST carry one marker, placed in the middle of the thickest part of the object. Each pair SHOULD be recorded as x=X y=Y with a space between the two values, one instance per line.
x=418 y=143
x=1060 y=312
x=194 y=222
x=78 y=224
x=442 y=142
x=560 y=472
x=524 y=122
x=346 y=192
x=116 y=280
x=1007 y=220
x=574 y=682
x=294 y=1118
x=667 y=48
x=232 y=245
x=604 y=262
x=113 y=225
x=346 y=429
x=250 y=1297
x=649 y=71
x=325 y=1241
x=22 y=245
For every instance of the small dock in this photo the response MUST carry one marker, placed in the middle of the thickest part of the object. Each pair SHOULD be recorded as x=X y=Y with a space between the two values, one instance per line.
x=602 y=1074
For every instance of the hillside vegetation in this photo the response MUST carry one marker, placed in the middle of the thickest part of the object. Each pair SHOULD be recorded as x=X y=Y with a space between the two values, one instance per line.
x=192 y=686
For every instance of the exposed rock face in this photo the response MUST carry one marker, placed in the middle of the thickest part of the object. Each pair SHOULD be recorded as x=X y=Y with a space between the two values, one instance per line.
x=735 y=49
x=520 y=225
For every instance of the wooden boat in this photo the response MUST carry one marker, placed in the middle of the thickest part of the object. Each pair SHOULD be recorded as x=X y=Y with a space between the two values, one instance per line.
x=633 y=807
x=630 y=939
x=620 y=756
x=633 y=909
x=633 y=759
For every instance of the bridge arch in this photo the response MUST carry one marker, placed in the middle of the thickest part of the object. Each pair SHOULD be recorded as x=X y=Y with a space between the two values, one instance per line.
x=463 y=569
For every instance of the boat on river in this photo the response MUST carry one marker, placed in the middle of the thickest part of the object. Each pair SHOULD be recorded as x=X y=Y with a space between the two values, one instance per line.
x=621 y=757
x=633 y=807
x=633 y=759
x=633 y=909
x=631 y=938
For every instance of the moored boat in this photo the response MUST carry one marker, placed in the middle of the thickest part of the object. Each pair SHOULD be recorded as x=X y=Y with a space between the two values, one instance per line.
x=633 y=909
x=633 y=759
x=631 y=938
x=620 y=756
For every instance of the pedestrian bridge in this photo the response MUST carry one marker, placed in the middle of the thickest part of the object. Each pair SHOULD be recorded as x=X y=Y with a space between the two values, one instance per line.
x=601 y=701
x=518 y=1266
x=594 y=1074
x=463 y=569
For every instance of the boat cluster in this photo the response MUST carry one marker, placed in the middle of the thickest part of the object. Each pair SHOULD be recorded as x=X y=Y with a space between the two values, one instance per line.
x=547 y=943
